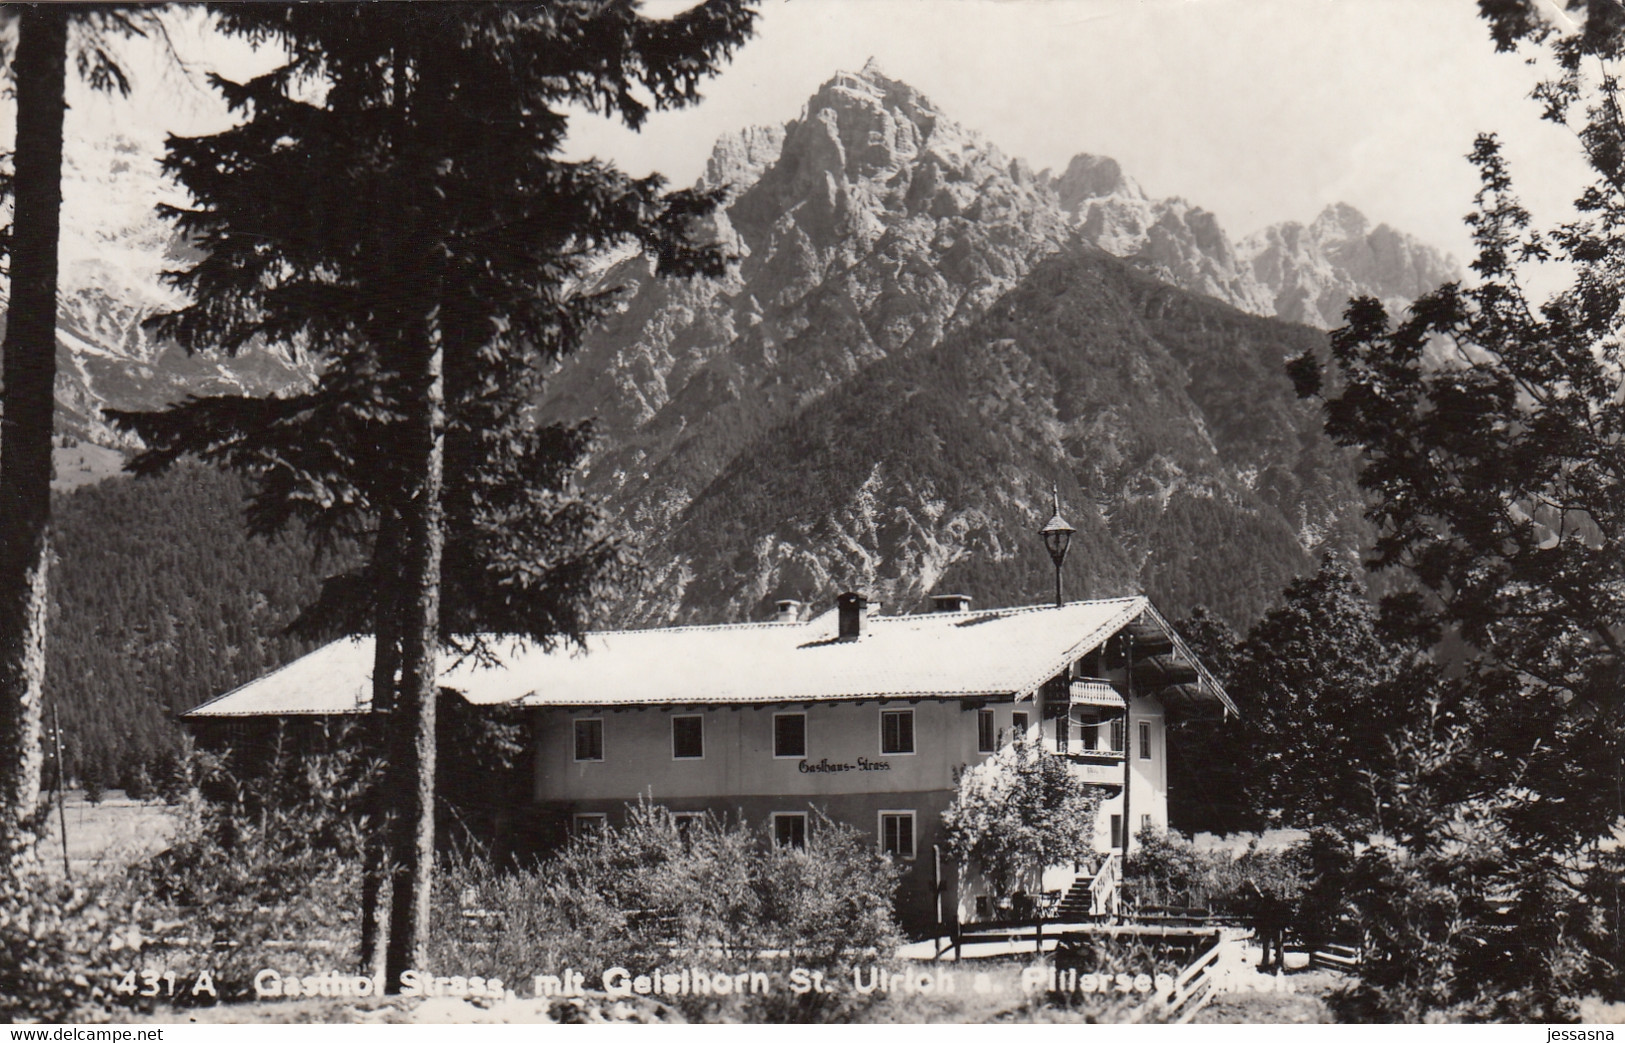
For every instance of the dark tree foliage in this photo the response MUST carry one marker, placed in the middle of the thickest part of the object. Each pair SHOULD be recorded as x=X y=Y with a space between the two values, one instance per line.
x=1211 y=759
x=410 y=224
x=307 y=200
x=1324 y=691
x=1491 y=427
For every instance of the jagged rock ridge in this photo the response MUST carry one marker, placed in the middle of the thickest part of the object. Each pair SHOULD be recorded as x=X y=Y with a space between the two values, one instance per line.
x=878 y=226
x=1311 y=272
x=1290 y=271
x=872 y=230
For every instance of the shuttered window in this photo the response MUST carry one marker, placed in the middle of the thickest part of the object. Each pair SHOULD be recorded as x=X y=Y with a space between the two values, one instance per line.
x=897 y=731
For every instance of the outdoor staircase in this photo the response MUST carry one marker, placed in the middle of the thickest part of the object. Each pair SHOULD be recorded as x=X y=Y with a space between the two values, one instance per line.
x=1093 y=897
x=1075 y=905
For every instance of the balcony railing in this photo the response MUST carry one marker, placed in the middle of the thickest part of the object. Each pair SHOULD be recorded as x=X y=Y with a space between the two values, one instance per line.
x=1077 y=749
x=1095 y=692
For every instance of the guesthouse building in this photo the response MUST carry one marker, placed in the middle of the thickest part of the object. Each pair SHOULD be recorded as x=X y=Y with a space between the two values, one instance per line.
x=852 y=714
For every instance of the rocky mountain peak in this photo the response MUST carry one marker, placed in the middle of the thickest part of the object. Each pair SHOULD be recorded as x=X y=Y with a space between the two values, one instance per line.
x=739 y=157
x=1339 y=221
x=865 y=124
x=868 y=153
x=1312 y=271
x=1090 y=177
x=1182 y=244
x=868 y=226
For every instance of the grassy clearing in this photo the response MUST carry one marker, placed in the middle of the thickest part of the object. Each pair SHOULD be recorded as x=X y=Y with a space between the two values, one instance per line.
x=117 y=831
x=83 y=464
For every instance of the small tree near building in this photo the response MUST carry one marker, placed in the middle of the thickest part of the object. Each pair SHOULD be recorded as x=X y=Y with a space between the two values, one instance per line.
x=1019 y=812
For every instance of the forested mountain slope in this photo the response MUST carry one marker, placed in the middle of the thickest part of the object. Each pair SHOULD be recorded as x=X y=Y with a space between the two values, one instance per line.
x=1181 y=454
x=158 y=602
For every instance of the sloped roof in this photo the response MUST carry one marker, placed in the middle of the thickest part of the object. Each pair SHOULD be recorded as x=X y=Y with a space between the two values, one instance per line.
x=976 y=653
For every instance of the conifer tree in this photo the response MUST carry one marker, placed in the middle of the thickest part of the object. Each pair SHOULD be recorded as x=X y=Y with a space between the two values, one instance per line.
x=1321 y=687
x=411 y=225
x=25 y=439
x=46 y=35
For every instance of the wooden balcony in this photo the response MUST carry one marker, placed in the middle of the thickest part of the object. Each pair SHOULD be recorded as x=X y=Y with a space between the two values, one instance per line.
x=1095 y=772
x=1096 y=694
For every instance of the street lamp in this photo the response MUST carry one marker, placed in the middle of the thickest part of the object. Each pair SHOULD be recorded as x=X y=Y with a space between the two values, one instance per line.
x=1057 y=536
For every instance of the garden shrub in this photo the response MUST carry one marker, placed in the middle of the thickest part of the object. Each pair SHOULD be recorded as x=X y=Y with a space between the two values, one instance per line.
x=1481 y=932
x=268 y=875
x=1163 y=868
x=65 y=944
x=711 y=896
x=264 y=878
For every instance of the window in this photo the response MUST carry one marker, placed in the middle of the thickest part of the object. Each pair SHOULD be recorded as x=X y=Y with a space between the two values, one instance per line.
x=686 y=822
x=985 y=739
x=1119 y=732
x=897 y=731
x=790 y=828
x=1063 y=730
x=1145 y=823
x=789 y=735
x=588 y=822
x=590 y=739
x=1018 y=725
x=1145 y=740
x=1117 y=831
x=1091 y=735
x=687 y=738
x=897 y=834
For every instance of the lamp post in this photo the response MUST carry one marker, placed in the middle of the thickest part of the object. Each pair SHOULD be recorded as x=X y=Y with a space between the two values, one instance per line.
x=1057 y=536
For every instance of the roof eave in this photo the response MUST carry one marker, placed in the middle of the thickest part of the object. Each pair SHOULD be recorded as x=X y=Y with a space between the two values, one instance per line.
x=1207 y=683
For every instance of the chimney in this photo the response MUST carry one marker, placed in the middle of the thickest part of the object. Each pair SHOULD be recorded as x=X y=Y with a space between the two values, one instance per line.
x=788 y=610
x=853 y=613
x=950 y=602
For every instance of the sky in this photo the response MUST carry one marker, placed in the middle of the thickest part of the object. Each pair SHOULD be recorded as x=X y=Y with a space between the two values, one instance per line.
x=1258 y=110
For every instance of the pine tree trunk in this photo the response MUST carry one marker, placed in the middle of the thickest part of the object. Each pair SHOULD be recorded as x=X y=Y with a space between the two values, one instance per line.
x=27 y=411
x=376 y=901
x=375 y=883
x=411 y=720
